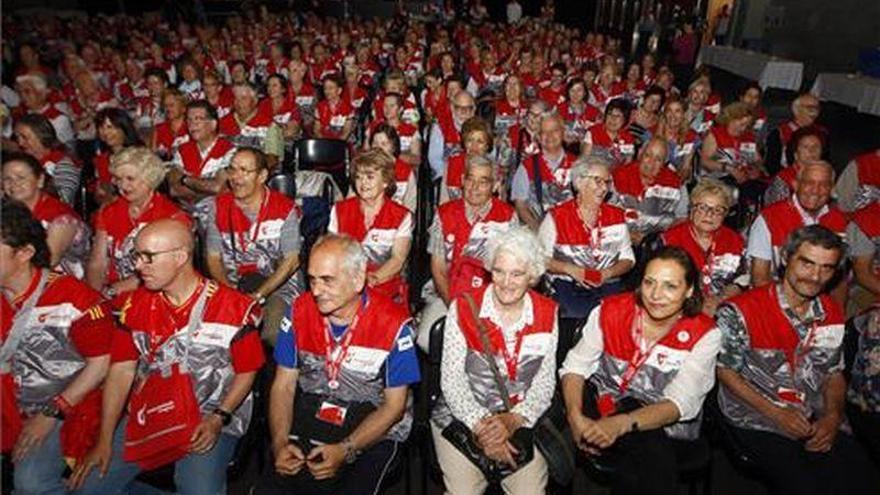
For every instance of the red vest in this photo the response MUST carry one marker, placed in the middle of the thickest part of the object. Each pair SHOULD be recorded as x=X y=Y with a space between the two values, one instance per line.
x=869 y=168
x=621 y=149
x=466 y=244
x=229 y=125
x=167 y=140
x=596 y=248
x=720 y=264
x=783 y=218
x=533 y=349
x=198 y=166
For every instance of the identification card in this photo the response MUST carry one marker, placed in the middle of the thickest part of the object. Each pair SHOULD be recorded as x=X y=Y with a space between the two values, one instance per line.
x=332 y=413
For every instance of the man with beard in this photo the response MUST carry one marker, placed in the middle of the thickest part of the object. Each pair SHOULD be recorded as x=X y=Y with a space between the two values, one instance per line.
x=781 y=374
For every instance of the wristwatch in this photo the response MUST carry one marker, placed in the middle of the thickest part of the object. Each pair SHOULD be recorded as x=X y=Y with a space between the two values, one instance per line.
x=225 y=417
x=51 y=410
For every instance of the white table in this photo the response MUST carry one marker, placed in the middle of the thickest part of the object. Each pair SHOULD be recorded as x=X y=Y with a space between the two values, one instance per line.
x=767 y=70
x=859 y=92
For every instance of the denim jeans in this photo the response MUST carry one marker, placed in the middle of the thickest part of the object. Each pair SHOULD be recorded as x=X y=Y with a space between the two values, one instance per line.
x=195 y=474
x=41 y=470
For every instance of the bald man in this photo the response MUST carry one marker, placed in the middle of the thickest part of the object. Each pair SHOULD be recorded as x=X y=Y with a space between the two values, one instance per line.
x=805 y=110
x=193 y=347
x=652 y=194
x=810 y=205
x=445 y=137
x=346 y=357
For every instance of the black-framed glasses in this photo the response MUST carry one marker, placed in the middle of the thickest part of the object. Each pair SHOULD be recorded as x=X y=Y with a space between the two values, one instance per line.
x=148 y=257
x=705 y=209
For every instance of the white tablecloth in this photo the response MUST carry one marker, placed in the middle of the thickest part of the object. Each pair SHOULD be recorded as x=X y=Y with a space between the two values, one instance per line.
x=768 y=71
x=859 y=92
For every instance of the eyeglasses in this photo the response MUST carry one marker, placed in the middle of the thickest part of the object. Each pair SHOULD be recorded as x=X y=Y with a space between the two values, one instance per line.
x=705 y=209
x=148 y=257
x=515 y=275
x=464 y=108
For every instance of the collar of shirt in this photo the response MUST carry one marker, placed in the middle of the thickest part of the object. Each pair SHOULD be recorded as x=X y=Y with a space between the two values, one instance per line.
x=488 y=311
x=553 y=163
x=815 y=313
x=473 y=214
x=805 y=215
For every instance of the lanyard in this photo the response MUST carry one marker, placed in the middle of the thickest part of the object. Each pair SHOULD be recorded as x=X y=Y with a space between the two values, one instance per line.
x=245 y=242
x=706 y=269
x=638 y=358
x=511 y=360
x=333 y=365
x=595 y=234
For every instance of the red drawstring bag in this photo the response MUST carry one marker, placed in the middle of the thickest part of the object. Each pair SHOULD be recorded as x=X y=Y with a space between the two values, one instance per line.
x=163 y=414
x=79 y=431
x=11 y=417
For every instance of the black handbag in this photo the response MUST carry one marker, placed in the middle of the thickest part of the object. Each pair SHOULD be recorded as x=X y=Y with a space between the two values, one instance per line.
x=554 y=443
x=309 y=431
x=249 y=282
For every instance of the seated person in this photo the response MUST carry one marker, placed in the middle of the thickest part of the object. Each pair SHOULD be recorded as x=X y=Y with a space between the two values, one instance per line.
x=381 y=225
x=519 y=326
x=781 y=373
x=196 y=345
x=652 y=195
x=337 y=422
x=716 y=249
x=589 y=248
x=55 y=335
x=863 y=394
x=252 y=239
x=650 y=358
x=543 y=179
x=477 y=139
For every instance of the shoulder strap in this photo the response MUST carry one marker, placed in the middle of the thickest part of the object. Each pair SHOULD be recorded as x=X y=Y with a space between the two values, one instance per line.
x=195 y=317
x=19 y=324
x=539 y=183
x=487 y=350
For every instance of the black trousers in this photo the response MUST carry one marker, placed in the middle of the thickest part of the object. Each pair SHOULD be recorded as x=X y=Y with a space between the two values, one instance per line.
x=788 y=468
x=364 y=477
x=866 y=427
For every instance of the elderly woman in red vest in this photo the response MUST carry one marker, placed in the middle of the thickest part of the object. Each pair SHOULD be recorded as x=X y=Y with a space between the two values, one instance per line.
x=504 y=327
x=137 y=173
x=717 y=250
x=381 y=225
x=588 y=245
x=649 y=356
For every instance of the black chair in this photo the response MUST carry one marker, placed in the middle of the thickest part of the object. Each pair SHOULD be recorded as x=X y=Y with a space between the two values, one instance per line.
x=283 y=183
x=325 y=155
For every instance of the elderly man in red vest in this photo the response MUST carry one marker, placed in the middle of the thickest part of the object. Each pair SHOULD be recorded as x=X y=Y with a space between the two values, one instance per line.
x=339 y=405
x=781 y=374
x=810 y=205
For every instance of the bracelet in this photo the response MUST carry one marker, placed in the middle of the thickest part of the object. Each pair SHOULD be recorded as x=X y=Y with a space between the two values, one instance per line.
x=350 y=452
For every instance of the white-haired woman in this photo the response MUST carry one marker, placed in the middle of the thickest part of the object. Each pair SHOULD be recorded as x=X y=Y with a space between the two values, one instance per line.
x=717 y=250
x=137 y=173
x=519 y=327
x=588 y=246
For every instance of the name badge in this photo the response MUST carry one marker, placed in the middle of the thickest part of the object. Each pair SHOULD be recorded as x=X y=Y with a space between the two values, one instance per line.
x=304 y=101
x=337 y=121
x=748 y=147
x=331 y=413
x=627 y=149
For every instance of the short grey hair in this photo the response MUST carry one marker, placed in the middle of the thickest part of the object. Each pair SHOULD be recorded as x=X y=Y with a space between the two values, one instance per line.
x=584 y=164
x=473 y=161
x=148 y=165
x=818 y=163
x=708 y=186
x=354 y=259
x=523 y=244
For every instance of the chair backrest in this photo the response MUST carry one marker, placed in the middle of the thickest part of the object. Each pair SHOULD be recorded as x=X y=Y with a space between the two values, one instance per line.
x=318 y=154
x=283 y=183
x=325 y=155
